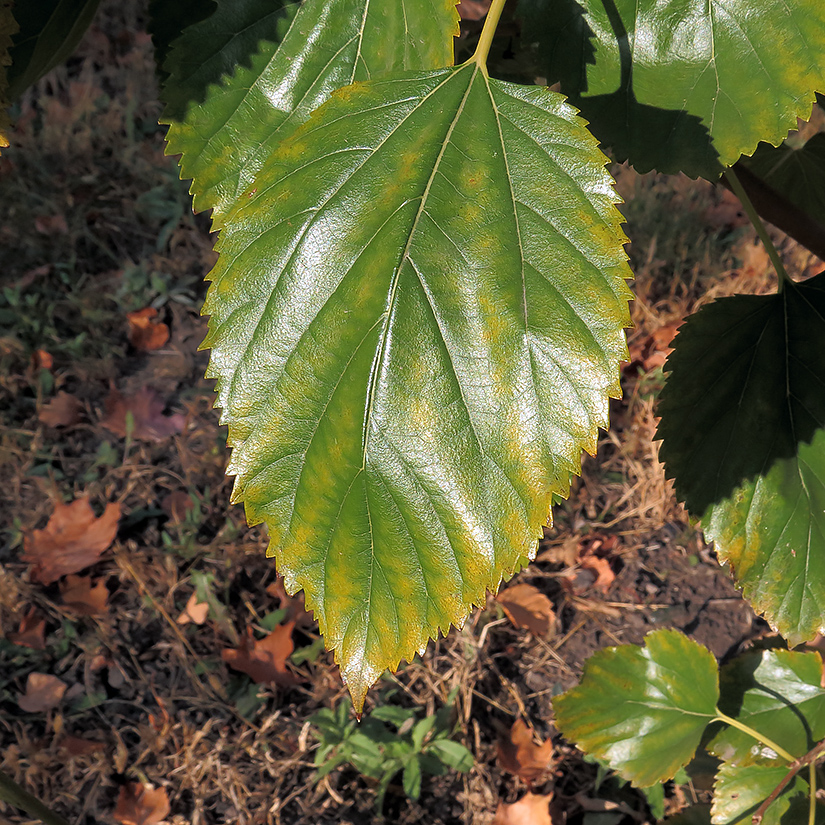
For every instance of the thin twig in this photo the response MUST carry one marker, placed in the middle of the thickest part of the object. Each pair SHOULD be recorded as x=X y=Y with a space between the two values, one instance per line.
x=810 y=758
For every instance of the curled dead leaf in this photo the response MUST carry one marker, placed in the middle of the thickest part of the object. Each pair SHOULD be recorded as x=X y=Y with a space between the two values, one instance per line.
x=531 y=809
x=31 y=632
x=139 y=804
x=146 y=333
x=176 y=505
x=43 y=692
x=195 y=611
x=146 y=409
x=519 y=754
x=64 y=410
x=528 y=607
x=264 y=660
x=73 y=539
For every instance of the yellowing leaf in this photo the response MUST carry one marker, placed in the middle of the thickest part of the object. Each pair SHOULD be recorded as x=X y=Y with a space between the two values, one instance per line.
x=416 y=327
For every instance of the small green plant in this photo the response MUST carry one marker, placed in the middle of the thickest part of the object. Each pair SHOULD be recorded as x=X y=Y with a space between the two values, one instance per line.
x=644 y=712
x=387 y=741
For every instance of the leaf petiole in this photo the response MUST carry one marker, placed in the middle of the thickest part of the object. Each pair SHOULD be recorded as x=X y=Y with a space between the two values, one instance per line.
x=735 y=723
x=753 y=215
x=486 y=39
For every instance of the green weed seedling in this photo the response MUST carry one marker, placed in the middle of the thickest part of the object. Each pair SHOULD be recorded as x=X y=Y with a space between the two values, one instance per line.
x=644 y=712
x=387 y=741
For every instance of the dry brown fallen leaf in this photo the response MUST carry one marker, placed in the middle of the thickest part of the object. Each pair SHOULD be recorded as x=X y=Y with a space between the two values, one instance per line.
x=264 y=660
x=473 y=9
x=195 y=611
x=146 y=333
x=139 y=804
x=531 y=809
x=31 y=632
x=64 y=410
x=176 y=505
x=76 y=746
x=81 y=596
x=43 y=692
x=520 y=755
x=149 y=422
x=528 y=607
x=294 y=605
x=51 y=224
x=73 y=539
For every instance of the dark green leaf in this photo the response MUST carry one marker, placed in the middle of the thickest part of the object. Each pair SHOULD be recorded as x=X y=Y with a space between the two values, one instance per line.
x=49 y=32
x=285 y=75
x=412 y=778
x=642 y=710
x=393 y=714
x=798 y=174
x=740 y=790
x=681 y=86
x=452 y=754
x=167 y=20
x=742 y=423
x=8 y=27
x=416 y=326
x=778 y=694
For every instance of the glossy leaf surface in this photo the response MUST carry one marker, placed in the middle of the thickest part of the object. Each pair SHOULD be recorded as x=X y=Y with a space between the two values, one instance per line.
x=416 y=325
x=642 y=710
x=776 y=692
x=741 y=789
x=680 y=86
x=49 y=32
x=743 y=429
x=798 y=174
x=274 y=77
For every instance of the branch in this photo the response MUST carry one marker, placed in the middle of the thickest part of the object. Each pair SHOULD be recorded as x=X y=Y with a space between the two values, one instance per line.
x=779 y=211
x=793 y=769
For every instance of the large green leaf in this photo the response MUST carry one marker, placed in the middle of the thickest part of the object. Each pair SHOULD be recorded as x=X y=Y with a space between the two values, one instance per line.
x=685 y=86
x=168 y=20
x=416 y=324
x=776 y=692
x=642 y=710
x=741 y=789
x=49 y=32
x=273 y=78
x=798 y=174
x=743 y=429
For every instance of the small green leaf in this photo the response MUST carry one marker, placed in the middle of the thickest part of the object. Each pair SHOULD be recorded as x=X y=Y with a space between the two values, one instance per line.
x=412 y=777
x=452 y=754
x=273 y=78
x=680 y=86
x=49 y=32
x=740 y=790
x=642 y=710
x=778 y=694
x=416 y=327
x=798 y=174
x=393 y=714
x=743 y=430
